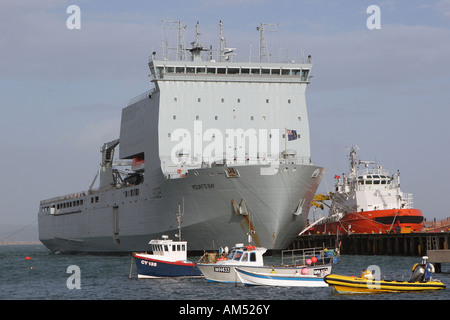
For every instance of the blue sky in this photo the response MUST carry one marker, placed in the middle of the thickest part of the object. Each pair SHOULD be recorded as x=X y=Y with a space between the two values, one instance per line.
x=62 y=91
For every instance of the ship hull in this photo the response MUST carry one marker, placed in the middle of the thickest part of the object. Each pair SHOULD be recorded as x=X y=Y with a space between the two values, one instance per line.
x=120 y=223
x=379 y=221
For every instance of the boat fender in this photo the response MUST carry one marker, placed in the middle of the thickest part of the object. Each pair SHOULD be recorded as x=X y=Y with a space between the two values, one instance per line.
x=414 y=267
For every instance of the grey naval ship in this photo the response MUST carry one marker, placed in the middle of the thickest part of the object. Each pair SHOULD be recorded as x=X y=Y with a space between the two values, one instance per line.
x=230 y=140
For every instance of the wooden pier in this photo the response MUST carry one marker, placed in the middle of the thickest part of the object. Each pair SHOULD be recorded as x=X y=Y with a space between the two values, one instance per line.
x=403 y=244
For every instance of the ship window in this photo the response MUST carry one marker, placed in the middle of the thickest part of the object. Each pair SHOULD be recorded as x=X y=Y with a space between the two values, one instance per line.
x=376 y=182
x=211 y=70
x=267 y=100
x=289 y=100
x=276 y=71
x=199 y=99
x=174 y=117
x=296 y=72
x=169 y=69
x=251 y=118
x=174 y=248
x=183 y=248
x=265 y=71
x=179 y=69
x=305 y=75
x=178 y=247
x=168 y=134
x=285 y=72
x=222 y=100
x=201 y=70
x=245 y=257
x=166 y=248
x=237 y=255
x=239 y=101
x=197 y=117
x=221 y=70
x=253 y=256
x=255 y=71
x=159 y=72
x=233 y=71
x=245 y=71
x=190 y=70
x=299 y=118
x=216 y=117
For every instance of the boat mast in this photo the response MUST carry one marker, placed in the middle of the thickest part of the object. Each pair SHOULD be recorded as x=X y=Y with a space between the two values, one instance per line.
x=179 y=215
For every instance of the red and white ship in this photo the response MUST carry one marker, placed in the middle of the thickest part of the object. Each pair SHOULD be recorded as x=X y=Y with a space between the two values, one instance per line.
x=367 y=201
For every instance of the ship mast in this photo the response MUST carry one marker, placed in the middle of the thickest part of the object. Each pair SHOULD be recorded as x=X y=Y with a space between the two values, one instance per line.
x=197 y=48
x=262 y=39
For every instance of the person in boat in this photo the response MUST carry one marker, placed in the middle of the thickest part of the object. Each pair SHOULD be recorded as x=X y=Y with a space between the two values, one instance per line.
x=422 y=272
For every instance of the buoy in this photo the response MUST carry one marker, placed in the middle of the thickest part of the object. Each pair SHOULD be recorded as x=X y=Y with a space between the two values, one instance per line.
x=27 y=258
x=304 y=271
x=314 y=259
x=308 y=261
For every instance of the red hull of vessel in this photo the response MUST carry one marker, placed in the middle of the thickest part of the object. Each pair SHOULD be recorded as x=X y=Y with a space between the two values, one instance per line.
x=379 y=221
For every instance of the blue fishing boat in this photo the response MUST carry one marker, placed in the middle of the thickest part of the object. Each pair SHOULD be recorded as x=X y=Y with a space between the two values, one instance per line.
x=168 y=259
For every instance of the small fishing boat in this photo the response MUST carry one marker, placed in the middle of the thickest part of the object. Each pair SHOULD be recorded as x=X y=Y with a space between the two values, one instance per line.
x=420 y=281
x=296 y=279
x=169 y=258
x=221 y=267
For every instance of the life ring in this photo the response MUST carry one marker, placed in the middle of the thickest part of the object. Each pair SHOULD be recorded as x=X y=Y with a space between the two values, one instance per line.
x=250 y=247
x=179 y=171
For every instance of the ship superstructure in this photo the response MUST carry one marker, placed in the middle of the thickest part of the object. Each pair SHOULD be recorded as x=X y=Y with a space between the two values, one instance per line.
x=230 y=138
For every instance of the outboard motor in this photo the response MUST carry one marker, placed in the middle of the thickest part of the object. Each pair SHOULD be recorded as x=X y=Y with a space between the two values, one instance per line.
x=422 y=272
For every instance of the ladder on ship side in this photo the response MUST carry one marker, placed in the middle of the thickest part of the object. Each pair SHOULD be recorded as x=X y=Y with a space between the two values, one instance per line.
x=432 y=243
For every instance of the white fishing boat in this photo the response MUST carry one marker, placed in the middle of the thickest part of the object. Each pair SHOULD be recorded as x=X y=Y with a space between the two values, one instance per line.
x=221 y=267
x=296 y=279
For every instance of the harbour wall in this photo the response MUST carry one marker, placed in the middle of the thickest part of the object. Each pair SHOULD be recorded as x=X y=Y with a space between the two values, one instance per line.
x=403 y=244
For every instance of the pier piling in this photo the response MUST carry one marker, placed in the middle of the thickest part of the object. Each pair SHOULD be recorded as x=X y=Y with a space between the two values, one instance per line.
x=403 y=244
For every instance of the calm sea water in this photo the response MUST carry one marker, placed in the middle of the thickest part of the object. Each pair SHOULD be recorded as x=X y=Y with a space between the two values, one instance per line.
x=44 y=277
